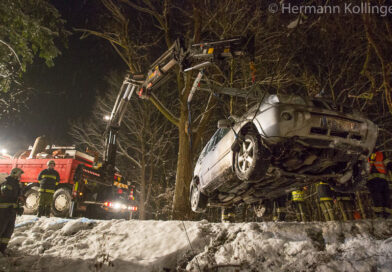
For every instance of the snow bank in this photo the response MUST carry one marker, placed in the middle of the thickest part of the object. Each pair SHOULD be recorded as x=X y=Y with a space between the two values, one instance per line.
x=55 y=244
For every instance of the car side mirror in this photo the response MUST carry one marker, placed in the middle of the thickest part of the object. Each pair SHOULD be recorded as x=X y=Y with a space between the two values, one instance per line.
x=224 y=123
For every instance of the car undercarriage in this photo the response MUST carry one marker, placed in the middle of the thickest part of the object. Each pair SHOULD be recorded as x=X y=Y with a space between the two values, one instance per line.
x=293 y=165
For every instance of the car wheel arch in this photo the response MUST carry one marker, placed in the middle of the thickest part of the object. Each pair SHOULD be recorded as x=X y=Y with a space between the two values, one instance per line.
x=248 y=127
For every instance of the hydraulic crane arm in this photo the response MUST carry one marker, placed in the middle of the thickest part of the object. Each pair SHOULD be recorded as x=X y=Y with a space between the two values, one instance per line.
x=129 y=85
x=197 y=56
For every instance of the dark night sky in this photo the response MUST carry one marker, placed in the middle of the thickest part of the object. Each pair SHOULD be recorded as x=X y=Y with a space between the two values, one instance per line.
x=67 y=90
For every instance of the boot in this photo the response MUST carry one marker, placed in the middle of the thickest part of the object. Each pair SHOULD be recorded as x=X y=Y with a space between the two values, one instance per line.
x=47 y=211
x=40 y=212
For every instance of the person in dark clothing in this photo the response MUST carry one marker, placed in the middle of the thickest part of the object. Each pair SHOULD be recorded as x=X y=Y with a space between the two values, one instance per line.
x=298 y=199
x=325 y=197
x=228 y=215
x=10 y=195
x=48 y=180
x=280 y=209
x=378 y=184
x=346 y=204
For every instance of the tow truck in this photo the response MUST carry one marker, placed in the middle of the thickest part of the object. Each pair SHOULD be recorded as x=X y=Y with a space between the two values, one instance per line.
x=69 y=163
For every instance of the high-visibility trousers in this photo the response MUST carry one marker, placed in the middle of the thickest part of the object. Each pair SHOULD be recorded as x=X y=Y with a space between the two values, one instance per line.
x=327 y=210
x=228 y=215
x=346 y=208
x=45 y=203
x=301 y=211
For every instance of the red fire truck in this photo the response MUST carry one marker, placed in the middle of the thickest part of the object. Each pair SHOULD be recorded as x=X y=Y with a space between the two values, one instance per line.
x=84 y=195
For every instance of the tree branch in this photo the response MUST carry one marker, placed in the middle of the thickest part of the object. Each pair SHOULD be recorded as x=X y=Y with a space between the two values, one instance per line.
x=158 y=104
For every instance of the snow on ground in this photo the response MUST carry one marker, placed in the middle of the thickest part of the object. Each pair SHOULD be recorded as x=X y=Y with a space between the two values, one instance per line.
x=71 y=245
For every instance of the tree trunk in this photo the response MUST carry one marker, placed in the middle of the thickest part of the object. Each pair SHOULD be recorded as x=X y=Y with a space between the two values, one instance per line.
x=181 y=205
x=142 y=212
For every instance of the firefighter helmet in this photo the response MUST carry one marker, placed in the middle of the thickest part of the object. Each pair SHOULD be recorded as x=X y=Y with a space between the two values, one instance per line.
x=51 y=162
x=16 y=172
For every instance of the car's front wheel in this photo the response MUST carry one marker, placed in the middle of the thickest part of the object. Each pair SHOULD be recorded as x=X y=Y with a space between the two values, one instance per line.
x=251 y=159
x=198 y=199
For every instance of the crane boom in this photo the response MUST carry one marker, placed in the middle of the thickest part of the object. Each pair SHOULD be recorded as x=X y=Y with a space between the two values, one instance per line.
x=196 y=57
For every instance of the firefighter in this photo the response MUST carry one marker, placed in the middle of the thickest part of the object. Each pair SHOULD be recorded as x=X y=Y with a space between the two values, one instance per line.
x=280 y=210
x=378 y=184
x=298 y=199
x=49 y=181
x=228 y=215
x=346 y=205
x=10 y=196
x=325 y=197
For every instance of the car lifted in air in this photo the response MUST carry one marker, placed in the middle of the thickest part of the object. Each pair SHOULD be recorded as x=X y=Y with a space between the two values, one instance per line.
x=283 y=143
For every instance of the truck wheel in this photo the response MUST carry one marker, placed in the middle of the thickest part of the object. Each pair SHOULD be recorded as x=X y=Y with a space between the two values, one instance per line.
x=61 y=202
x=32 y=201
x=251 y=163
x=198 y=199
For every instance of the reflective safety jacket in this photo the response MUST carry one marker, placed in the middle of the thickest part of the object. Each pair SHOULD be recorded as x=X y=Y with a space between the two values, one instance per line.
x=324 y=191
x=48 y=180
x=298 y=196
x=10 y=191
x=378 y=166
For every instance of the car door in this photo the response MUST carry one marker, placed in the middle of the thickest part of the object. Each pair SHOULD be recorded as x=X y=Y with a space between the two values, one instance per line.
x=204 y=162
x=221 y=154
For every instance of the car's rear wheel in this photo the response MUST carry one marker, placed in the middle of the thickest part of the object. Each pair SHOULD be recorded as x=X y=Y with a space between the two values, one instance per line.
x=251 y=159
x=198 y=199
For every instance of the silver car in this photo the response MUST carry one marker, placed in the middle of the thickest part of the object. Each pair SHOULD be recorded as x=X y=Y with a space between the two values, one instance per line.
x=283 y=143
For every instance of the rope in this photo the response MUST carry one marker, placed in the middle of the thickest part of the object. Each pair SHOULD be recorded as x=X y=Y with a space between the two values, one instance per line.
x=190 y=245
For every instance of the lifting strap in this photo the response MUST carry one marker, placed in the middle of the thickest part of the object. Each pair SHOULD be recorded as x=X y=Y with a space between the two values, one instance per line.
x=196 y=84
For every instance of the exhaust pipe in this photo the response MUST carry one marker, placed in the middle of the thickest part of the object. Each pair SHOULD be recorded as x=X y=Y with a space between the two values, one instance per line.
x=39 y=146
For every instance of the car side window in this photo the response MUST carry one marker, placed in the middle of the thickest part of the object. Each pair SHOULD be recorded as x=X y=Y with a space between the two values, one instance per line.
x=219 y=134
x=207 y=147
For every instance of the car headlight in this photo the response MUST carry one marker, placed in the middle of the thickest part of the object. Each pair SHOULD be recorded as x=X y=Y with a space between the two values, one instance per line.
x=117 y=205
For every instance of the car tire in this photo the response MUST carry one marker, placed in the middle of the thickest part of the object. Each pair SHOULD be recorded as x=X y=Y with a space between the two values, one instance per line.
x=251 y=160
x=32 y=201
x=61 y=202
x=198 y=199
